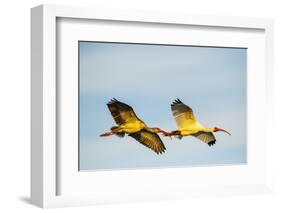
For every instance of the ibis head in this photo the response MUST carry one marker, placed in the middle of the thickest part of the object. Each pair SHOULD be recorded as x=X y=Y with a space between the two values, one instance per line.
x=217 y=129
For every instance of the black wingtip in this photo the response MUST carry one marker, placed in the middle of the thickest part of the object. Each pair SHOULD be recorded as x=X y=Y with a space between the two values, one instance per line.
x=176 y=101
x=160 y=152
x=211 y=143
x=113 y=100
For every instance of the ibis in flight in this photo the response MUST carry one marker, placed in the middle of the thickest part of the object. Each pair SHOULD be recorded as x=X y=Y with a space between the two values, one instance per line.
x=188 y=125
x=129 y=123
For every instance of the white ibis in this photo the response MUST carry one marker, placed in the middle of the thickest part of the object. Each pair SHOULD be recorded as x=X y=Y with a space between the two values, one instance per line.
x=188 y=125
x=129 y=123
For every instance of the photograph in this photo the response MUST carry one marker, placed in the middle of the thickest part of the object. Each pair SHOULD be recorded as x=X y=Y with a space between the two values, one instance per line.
x=145 y=106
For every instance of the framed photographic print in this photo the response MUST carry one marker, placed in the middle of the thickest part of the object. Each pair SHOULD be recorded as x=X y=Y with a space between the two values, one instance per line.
x=130 y=106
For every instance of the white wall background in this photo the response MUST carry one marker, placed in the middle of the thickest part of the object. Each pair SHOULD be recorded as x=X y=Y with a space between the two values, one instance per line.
x=15 y=103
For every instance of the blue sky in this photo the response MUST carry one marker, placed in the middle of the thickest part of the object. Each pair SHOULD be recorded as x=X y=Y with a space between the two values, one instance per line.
x=149 y=77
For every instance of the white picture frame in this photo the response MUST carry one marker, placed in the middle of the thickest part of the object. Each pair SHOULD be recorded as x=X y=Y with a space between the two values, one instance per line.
x=45 y=169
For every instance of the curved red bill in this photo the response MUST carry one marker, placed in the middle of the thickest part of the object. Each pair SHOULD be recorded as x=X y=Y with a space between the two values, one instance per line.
x=222 y=130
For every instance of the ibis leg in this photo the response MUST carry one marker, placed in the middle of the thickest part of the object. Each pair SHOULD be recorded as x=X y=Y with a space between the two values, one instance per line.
x=106 y=134
x=114 y=131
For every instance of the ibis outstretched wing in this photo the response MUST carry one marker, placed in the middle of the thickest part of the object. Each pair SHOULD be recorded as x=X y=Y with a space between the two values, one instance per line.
x=121 y=112
x=150 y=140
x=206 y=137
x=183 y=114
